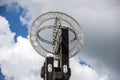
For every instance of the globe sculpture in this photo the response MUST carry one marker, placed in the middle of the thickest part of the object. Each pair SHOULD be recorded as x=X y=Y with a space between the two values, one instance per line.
x=59 y=35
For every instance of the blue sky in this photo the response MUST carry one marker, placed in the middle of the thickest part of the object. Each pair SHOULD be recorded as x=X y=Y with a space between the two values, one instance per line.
x=2 y=77
x=15 y=25
x=13 y=17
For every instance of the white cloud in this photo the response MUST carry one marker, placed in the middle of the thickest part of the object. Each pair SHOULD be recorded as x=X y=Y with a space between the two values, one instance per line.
x=23 y=63
x=6 y=36
x=5 y=2
x=20 y=62
x=23 y=20
x=83 y=72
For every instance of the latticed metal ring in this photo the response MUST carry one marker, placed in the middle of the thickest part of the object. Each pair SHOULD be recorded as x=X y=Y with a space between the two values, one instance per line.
x=72 y=25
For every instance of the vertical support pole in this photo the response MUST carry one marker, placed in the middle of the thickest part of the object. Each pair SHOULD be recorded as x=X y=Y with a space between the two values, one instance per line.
x=49 y=68
x=64 y=57
x=62 y=71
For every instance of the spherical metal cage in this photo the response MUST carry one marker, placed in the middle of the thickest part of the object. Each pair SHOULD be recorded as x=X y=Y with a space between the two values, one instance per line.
x=66 y=22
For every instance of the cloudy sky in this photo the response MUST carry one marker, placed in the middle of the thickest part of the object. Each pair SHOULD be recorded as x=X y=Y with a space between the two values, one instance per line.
x=99 y=58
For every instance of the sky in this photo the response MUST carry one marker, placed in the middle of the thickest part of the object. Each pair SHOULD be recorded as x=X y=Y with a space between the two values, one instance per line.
x=99 y=58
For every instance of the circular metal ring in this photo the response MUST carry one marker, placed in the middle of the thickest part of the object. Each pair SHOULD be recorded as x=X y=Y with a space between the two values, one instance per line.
x=71 y=23
x=51 y=42
x=52 y=26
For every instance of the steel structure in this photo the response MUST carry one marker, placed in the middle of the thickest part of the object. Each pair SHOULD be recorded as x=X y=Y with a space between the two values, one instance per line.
x=63 y=45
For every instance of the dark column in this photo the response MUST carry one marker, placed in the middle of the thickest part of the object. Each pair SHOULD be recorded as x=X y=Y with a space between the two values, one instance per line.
x=64 y=54
x=49 y=68
x=62 y=71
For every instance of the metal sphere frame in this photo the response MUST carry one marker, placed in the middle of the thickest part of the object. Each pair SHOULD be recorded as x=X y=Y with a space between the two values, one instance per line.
x=72 y=25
